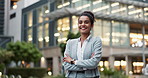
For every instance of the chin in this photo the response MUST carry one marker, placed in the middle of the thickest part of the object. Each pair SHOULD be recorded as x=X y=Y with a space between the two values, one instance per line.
x=85 y=32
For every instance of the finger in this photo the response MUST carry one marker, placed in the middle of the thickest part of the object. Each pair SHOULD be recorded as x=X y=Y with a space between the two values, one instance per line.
x=67 y=55
x=64 y=60
x=92 y=54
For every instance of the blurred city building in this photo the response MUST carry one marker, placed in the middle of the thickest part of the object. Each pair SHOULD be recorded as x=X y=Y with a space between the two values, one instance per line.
x=1 y=16
x=4 y=38
x=121 y=24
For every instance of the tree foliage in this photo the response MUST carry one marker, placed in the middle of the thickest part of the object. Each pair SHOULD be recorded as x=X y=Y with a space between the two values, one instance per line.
x=72 y=35
x=69 y=36
x=4 y=58
x=24 y=51
x=5 y=55
x=112 y=73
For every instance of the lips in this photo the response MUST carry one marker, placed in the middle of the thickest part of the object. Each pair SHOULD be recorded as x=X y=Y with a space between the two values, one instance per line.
x=83 y=28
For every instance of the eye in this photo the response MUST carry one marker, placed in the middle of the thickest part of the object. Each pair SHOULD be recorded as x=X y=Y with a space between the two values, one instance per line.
x=86 y=22
x=80 y=22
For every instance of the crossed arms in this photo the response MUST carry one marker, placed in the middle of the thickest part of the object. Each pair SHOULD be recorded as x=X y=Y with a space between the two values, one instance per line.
x=91 y=63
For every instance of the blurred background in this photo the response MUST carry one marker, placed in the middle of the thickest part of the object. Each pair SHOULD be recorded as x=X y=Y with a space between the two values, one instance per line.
x=121 y=24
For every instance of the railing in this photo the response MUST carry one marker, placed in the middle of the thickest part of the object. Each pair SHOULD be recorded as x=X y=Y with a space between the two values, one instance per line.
x=4 y=40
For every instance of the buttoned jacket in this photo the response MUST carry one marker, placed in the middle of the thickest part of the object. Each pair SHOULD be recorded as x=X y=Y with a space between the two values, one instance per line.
x=89 y=63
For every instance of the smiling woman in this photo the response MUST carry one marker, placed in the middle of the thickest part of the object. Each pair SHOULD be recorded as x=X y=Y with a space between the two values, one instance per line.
x=83 y=54
x=85 y=23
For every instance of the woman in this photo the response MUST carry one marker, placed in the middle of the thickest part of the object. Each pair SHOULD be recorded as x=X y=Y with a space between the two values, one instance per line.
x=82 y=55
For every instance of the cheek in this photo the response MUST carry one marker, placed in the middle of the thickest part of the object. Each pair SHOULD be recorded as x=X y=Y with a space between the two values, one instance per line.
x=78 y=26
x=90 y=29
x=89 y=26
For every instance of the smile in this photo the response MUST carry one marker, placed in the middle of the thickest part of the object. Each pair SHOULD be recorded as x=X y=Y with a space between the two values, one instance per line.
x=83 y=28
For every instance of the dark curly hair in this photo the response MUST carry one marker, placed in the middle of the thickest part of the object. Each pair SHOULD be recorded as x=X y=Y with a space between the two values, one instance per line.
x=90 y=15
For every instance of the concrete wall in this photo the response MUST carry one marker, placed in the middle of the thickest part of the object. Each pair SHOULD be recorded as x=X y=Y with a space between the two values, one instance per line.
x=6 y=16
x=29 y=2
x=13 y=26
x=15 y=23
x=118 y=51
x=54 y=53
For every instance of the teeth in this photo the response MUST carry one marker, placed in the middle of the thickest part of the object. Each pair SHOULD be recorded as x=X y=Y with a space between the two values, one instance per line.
x=83 y=28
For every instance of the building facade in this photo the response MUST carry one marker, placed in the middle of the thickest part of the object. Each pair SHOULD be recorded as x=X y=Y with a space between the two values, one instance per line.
x=121 y=24
x=40 y=31
x=1 y=17
x=4 y=23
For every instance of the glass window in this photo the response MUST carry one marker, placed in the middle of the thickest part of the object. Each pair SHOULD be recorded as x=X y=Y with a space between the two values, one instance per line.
x=102 y=29
x=101 y=6
x=124 y=39
x=136 y=39
x=75 y=24
x=29 y=35
x=76 y=3
x=40 y=36
x=97 y=3
x=62 y=3
x=135 y=12
x=30 y=19
x=63 y=29
x=103 y=63
x=46 y=11
x=136 y=35
x=105 y=32
x=50 y=65
x=98 y=28
x=46 y=35
x=118 y=8
x=85 y=5
x=120 y=65
x=146 y=13
x=115 y=33
x=137 y=65
x=40 y=18
x=120 y=34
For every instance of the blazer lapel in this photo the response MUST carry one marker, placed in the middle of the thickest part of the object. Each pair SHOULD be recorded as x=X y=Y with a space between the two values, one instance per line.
x=85 y=54
x=75 y=46
x=87 y=47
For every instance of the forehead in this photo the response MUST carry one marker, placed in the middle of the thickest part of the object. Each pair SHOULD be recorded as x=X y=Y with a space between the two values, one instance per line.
x=84 y=18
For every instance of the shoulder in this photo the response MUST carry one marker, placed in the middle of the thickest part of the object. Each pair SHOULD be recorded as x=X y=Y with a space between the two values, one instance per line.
x=97 y=42
x=72 y=40
x=96 y=39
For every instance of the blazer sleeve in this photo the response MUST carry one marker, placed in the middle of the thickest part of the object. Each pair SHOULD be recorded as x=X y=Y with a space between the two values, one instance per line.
x=92 y=62
x=68 y=66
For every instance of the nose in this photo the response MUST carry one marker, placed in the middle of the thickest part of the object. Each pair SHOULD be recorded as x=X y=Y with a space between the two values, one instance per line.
x=83 y=24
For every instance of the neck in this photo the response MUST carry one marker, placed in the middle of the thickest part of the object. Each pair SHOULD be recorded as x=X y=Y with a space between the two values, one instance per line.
x=84 y=36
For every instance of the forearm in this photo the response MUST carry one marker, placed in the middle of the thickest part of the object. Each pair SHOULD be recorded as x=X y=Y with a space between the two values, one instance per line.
x=93 y=61
x=72 y=67
x=89 y=63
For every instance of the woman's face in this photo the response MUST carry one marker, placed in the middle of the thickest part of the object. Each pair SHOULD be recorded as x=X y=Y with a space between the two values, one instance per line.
x=84 y=25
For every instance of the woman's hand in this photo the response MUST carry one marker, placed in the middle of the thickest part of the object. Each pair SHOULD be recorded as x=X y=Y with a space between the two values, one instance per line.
x=92 y=54
x=67 y=59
